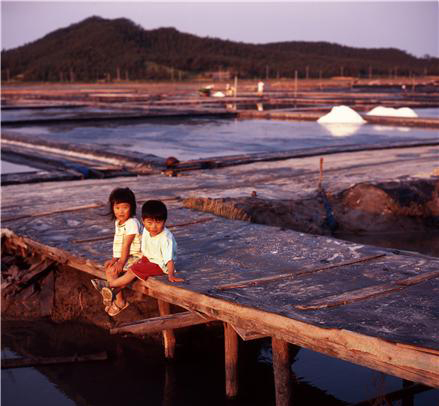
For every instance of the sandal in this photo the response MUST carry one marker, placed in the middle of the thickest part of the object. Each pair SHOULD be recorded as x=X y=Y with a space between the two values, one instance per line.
x=102 y=287
x=115 y=309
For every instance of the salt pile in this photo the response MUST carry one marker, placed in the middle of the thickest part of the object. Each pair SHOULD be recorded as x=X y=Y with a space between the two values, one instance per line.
x=392 y=112
x=341 y=114
x=342 y=129
x=219 y=94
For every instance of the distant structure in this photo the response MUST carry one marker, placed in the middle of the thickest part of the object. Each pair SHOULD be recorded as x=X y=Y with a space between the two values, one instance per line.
x=260 y=88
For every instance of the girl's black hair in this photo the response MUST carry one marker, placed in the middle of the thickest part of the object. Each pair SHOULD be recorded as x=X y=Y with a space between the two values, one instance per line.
x=154 y=209
x=122 y=195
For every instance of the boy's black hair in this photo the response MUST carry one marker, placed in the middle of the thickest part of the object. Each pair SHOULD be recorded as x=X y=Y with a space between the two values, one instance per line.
x=122 y=195
x=154 y=209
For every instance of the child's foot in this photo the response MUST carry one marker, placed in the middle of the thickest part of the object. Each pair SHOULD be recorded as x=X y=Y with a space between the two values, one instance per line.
x=102 y=287
x=115 y=308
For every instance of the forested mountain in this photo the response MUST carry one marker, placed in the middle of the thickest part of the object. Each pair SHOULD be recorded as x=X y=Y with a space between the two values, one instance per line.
x=100 y=49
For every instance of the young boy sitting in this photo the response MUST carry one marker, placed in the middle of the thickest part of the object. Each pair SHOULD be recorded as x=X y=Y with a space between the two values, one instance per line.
x=159 y=253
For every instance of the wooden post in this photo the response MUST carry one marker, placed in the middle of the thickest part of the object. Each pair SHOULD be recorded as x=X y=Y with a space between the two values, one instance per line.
x=295 y=84
x=169 y=386
x=281 y=369
x=231 y=360
x=236 y=86
x=408 y=399
x=154 y=324
x=168 y=335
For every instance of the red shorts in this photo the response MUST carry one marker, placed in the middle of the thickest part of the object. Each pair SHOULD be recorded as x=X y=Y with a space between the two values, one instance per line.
x=143 y=269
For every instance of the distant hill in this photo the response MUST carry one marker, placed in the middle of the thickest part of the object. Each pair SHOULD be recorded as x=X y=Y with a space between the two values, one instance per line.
x=100 y=49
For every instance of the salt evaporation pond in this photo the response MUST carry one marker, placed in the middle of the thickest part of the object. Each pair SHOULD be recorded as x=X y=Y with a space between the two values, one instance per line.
x=203 y=138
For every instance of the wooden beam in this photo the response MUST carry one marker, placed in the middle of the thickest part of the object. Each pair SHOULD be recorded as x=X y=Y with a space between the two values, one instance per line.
x=50 y=212
x=258 y=281
x=282 y=373
x=34 y=361
x=231 y=360
x=366 y=293
x=168 y=335
x=22 y=244
x=412 y=363
x=155 y=324
x=248 y=335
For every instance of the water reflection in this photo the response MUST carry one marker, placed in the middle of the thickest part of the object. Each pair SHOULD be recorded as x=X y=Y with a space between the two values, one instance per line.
x=203 y=138
x=341 y=129
x=384 y=128
x=136 y=372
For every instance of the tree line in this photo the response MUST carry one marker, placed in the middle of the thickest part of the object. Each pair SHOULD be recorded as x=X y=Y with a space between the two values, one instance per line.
x=99 y=49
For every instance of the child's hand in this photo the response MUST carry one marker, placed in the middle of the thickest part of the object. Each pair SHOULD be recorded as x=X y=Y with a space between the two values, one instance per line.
x=110 y=262
x=117 y=267
x=173 y=278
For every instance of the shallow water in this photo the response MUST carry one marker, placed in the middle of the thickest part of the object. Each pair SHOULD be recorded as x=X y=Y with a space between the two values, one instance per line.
x=425 y=242
x=202 y=138
x=139 y=375
x=10 y=167
x=28 y=386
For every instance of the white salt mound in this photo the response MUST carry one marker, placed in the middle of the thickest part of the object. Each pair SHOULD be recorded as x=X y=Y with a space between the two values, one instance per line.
x=341 y=114
x=218 y=94
x=341 y=129
x=392 y=112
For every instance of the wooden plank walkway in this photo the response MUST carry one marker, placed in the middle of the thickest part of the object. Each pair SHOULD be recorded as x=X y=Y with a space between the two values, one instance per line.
x=366 y=305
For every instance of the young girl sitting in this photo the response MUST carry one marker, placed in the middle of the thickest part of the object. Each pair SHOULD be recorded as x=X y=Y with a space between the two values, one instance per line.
x=126 y=245
x=158 y=248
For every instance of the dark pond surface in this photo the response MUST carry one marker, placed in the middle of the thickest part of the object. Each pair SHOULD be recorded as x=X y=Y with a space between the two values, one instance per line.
x=137 y=374
x=425 y=242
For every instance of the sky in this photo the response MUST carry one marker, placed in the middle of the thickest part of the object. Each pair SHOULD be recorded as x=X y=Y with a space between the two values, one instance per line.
x=412 y=26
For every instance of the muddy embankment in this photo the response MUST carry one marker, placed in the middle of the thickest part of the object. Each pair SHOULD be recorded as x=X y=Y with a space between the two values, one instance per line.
x=34 y=287
x=402 y=206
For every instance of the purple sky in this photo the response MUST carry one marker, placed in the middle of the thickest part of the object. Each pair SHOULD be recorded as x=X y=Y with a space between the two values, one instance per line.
x=408 y=25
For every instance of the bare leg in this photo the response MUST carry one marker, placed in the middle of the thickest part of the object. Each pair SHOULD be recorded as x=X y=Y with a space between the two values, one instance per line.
x=123 y=280
x=111 y=276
